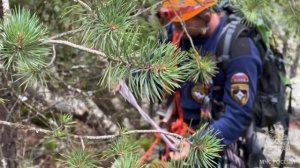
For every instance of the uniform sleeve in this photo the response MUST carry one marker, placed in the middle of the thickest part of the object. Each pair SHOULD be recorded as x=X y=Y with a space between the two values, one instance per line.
x=240 y=88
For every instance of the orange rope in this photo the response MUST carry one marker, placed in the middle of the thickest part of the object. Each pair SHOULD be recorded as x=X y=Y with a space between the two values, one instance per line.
x=176 y=40
x=150 y=150
x=179 y=127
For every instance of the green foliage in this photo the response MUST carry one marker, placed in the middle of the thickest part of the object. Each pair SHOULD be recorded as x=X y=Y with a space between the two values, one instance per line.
x=149 y=67
x=51 y=144
x=273 y=13
x=121 y=146
x=205 y=148
x=145 y=142
x=125 y=151
x=253 y=11
x=79 y=158
x=110 y=22
x=202 y=68
x=293 y=20
x=61 y=128
x=155 y=71
x=67 y=121
x=128 y=161
x=160 y=73
x=22 y=49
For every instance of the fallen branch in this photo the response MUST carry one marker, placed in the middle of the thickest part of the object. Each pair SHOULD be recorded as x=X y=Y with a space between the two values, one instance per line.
x=104 y=137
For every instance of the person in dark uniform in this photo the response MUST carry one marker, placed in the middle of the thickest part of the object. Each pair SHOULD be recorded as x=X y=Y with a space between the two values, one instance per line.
x=233 y=89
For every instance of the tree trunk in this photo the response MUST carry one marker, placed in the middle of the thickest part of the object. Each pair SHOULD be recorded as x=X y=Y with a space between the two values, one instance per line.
x=1 y=10
x=78 y=106
x=294 y=67
x=8 y=137
x=284 y=47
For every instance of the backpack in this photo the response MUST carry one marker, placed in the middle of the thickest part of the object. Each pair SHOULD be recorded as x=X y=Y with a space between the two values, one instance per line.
x=269 y=105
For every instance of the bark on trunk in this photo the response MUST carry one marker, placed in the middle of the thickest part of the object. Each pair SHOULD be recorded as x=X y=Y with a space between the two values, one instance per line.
x=5 y=6
x=1 y=10
x=294 y=67
x=8 y=137
x=78 y=106
x=285 y=47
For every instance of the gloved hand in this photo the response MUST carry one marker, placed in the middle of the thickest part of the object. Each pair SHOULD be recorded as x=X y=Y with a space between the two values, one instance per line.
x=183 y=152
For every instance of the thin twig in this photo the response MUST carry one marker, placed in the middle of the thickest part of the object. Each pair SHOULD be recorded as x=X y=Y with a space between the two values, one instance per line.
x=147 y=9
x=11 y=110
x=104 y=137
x=84 y=93
x=66 y=33
x=292 y=7
x=82 y=144
x=5 y=6
x=89 y=50
x=86 y=6
x=54 y=55
x=76 y=46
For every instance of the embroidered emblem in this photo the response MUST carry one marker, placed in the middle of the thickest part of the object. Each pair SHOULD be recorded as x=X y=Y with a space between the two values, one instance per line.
x=198 y=92
x=240 y=88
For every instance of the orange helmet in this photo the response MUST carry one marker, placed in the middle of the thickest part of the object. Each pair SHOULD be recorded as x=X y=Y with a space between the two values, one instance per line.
x=182 y=10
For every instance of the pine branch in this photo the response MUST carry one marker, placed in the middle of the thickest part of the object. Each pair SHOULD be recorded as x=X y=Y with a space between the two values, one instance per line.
x=202 y=68
x=253 y=12
x=147 y=9
x=65 y=34
x=105 y=137
x=53 y=55
x=22 y=53
x=86 y=6
x=205 y=148
x=79 y=159
x=86 y=49
x=67 y=43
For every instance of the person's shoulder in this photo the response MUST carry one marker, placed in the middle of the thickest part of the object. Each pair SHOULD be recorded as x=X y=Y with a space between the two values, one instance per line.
x=244 y=46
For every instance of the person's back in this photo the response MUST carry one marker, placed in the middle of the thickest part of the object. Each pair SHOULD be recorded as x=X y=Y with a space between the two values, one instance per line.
x=232 y=90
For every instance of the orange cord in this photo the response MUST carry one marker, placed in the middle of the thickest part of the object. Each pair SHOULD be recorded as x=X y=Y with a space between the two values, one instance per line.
x=150 y=150
x=179 y=127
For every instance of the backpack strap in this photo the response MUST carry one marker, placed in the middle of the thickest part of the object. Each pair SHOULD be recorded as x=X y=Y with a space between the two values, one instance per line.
x=233 y=34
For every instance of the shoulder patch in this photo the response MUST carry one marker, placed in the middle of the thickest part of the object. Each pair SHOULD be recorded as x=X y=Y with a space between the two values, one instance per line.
x=239 y=78
x=240 y=88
